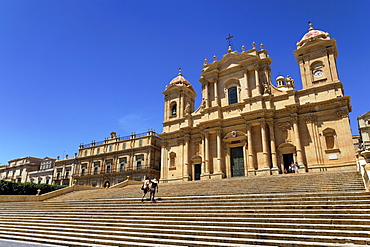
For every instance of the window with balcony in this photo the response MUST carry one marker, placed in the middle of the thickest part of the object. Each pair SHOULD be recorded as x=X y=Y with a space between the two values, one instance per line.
x=139 y=159
x=108 y=167
x=122 y=163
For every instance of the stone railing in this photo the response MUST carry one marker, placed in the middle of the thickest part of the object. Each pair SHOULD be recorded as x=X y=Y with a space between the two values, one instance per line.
x=125 y=183
x=30 y=198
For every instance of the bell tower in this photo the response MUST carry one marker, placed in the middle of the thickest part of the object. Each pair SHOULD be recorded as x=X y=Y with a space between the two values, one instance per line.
x=316 y=55
x=179 y=100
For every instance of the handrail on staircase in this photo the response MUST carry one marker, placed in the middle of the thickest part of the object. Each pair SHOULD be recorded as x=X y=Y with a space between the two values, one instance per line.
x=125 y=183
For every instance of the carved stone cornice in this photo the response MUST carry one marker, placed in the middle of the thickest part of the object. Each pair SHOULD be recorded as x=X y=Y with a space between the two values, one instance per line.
x=292 y=108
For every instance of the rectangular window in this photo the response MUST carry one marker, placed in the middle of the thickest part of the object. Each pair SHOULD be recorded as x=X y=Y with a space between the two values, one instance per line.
x=140 y=143
x=96 y=167
x=139 y=159
x=110 y=148
x=108 y=168
x=122 y=163
x=123 y=146
x=233 y=95
x=83 y=169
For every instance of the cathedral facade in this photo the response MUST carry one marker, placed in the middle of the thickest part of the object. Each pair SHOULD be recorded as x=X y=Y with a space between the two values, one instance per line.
x=246 y=125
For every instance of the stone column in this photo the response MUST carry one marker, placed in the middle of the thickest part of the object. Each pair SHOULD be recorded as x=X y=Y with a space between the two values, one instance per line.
x=186 y=157
x=246 y=89
x=250 y=148
x=206 y=153
x=219 y=147
x=275 y=169
x=164 y=162
x=258 y=86
x=266 y=158
x=215 y=87
x=206 y=92
x=297 y=139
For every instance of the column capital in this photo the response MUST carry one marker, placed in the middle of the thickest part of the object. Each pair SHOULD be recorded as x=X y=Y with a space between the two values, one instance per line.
x=263 y=124
x=294 y=119
x=311 y=118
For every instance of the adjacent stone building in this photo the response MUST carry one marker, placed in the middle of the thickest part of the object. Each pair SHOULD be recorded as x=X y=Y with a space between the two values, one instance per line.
x=246 y=125
x=44 y=175
x=115 y=159
x=364 y=130
x=18 y=170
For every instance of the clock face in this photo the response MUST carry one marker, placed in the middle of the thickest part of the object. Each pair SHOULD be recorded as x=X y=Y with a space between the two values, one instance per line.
x=317 y=73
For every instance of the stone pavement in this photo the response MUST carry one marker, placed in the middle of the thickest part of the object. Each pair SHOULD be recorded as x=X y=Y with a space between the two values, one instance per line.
x=14 y=243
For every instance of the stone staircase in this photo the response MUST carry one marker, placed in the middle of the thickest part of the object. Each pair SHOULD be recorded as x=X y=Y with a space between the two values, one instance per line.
x=321 y=209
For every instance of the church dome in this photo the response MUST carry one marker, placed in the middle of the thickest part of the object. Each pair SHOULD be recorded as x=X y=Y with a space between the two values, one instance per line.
x=312 y=35
x=180 y=80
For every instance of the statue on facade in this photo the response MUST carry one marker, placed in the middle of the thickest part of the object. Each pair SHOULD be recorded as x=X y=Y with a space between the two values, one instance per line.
x=187 y=108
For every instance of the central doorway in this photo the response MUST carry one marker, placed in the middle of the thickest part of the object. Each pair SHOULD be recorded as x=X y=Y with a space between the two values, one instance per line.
x=237 y=162
x=288 y=159
x=197 y=171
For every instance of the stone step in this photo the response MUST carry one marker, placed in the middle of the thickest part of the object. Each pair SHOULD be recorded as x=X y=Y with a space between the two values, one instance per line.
x=322 y=209
x=236 y=220
x=289 y=183
x=107 y=239
x=183 y=224
x=221 y=238
x=183 y=229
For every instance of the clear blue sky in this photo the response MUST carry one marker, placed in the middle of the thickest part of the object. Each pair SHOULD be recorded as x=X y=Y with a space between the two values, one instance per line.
x=72 y=71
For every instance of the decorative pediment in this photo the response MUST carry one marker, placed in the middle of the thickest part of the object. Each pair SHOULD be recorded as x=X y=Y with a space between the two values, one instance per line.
x=286 y=148
x=229 y=63
x=235 y=136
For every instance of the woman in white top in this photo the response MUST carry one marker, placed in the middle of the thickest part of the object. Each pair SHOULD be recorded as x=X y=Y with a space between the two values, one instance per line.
x=145 y=187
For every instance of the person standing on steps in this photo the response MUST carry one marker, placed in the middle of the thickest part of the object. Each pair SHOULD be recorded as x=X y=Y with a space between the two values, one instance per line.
x=153 y=187
x=296 y=167
x=145 y=187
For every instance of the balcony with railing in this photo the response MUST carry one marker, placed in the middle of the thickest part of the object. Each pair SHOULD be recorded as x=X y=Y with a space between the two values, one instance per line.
x=150 y=132
x=112 y=170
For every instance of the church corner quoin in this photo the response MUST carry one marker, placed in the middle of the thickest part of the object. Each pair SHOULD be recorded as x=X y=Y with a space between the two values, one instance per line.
x=247 y=125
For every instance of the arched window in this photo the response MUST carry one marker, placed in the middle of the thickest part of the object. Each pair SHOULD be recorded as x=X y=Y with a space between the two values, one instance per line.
x=174 y=109
x=233 y=95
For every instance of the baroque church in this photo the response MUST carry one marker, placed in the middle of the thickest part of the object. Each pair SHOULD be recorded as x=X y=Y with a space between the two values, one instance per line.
x=247 y=125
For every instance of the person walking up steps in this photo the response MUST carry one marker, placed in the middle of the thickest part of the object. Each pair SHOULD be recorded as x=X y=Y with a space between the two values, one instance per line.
x=153 y=187
x=145 y=187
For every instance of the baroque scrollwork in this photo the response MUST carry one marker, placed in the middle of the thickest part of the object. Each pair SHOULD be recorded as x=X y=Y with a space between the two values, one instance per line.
x=284 y=125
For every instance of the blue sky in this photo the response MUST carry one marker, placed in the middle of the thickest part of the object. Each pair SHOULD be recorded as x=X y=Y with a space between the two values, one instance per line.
x=73 y=71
